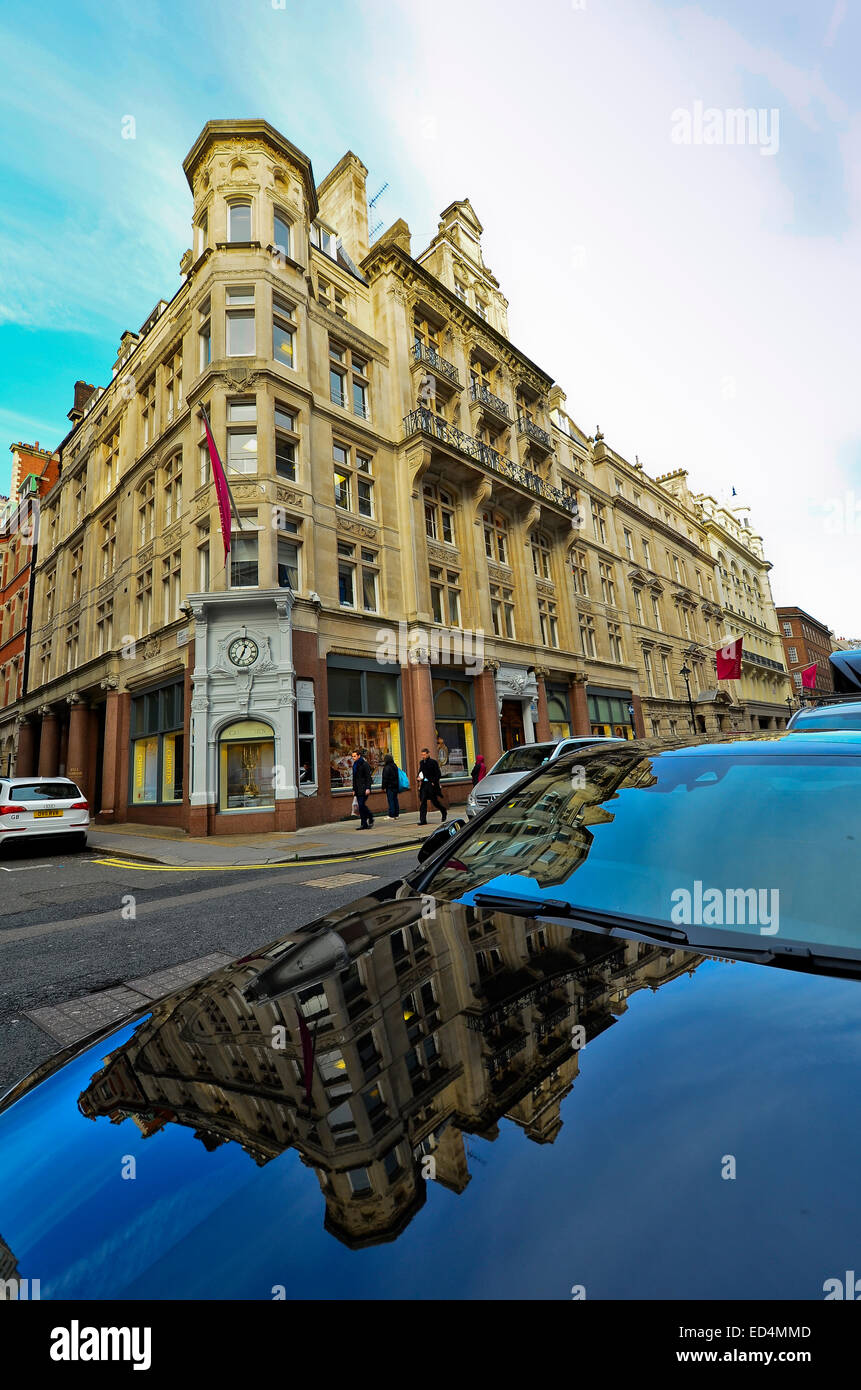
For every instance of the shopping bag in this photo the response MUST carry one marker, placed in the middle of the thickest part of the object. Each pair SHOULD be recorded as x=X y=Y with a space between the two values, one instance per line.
x=354 y=809
x=403 y=781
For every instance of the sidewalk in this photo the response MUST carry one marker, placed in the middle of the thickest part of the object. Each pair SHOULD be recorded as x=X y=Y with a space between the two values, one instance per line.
x=162 y=845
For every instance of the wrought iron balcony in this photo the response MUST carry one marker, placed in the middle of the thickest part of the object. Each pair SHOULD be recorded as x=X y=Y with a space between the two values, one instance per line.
x=765 y=661
x=535 y=433
x=422 y=352
x=485 y=397
x=426 y=422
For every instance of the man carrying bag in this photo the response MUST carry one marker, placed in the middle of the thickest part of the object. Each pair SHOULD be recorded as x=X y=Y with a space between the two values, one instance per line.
x=429 y=787
x=362 y=780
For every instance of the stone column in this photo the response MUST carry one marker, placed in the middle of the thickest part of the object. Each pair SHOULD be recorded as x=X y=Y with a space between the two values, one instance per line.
x=110 y=757
x=78 y=754
x=49 y=745
x=25 y=763
x=639 y=721
x=579 y=707
x=92 y=787
x=422 y=734
x=487 y=717
x=542 y=725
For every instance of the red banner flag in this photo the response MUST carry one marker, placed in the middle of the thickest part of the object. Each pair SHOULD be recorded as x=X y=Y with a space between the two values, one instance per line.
x=808 y=676
x=226 y=505
x=728 y=659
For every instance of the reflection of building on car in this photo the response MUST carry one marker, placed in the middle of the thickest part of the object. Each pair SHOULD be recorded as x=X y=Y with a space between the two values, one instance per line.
x=517 y=762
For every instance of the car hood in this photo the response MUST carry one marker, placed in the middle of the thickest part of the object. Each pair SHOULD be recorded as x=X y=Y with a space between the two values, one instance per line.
x=495 y=784
x=576 y=1112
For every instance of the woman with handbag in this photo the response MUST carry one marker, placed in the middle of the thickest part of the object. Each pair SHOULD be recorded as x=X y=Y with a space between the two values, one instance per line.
x=392 y=785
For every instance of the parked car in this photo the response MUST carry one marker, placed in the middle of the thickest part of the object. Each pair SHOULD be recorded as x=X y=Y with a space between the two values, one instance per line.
x=36 y=806
x=839 y=714
x=516 y=762
x=655 y=1104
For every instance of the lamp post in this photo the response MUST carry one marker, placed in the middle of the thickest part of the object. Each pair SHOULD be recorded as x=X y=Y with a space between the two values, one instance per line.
x=685 y=672
x=789 y=707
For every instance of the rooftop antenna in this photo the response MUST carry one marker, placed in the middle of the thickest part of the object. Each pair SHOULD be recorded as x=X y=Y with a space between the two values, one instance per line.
x=377 y=226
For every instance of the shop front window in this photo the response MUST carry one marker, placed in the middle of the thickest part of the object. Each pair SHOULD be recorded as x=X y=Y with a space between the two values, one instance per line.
x=364 y=712
x=158 y=746
x=247 y=767
x=558 y=713
x=455 y=727
x=608 y=715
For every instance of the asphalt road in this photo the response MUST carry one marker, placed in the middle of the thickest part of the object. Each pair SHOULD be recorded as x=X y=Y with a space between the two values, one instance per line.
x=66 y=928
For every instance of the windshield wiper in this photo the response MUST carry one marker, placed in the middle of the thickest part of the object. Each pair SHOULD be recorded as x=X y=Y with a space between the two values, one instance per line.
x=557 y=907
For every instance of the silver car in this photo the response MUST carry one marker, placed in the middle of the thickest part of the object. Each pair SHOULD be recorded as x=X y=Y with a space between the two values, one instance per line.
x=518 y=761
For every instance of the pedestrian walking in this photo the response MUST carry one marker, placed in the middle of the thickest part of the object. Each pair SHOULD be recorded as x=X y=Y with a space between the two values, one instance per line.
x=362 y=779
x=391 y=785
x=429 y=787
x=478 y=770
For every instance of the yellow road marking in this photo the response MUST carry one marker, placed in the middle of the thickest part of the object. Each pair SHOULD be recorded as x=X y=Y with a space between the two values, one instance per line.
x=116 y=863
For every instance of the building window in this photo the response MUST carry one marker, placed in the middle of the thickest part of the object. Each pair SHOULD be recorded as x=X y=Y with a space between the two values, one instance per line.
x=354 y=485
x=629 y=543
x=665 y=669
x=480 y=308
x=793 y=654
x=286 y=442
x=699 y=583
x=656 y=728
x=656 y=613
x=587 y=634
x=72 y=633
x=173 y=385
x=439 y=514
x=325 y=240
x=445 y=595
x=796 y=676
x=580 y=572
x=558 y=712
x=45 y=662
x=283 y=331
x=203 y=560
x=547 y=621
x=171 y=585
x=599 y=525
x=148 y=412
x=79 y=504
x=461 y=290
x=239 y=222
x=173 y=490
x=246 y=766
x=787 y=629
x=502 y=610
x=111 y=470
x=454 y=711
x=647 y=666
x=357 y=579
x=204 y=337
x=673 y=728
x=332 y=297
x=541 y=555
x=647 y=554
x=146 y=511
x=495 y=537
x=306 y=732
x=608 y=586
x=240 y=332
x=77 y=570
x=364 y=712
x=201 y=234
x=288 y=554
x=244 y=564
x=349 y=385
x=280 y=233
x=614 y=632
x=686 y=623
x=638 y=604
x=143 y=601
x=242 y=435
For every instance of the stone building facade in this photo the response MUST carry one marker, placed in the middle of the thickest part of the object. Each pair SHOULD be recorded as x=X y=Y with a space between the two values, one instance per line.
x=429 y=550
x=805 y=641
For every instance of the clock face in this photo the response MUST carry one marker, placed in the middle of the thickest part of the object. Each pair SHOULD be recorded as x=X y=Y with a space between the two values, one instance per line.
x=243 y=651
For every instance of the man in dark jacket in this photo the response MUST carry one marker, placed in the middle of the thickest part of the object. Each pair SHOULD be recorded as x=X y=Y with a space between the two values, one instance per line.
x=362 y=779
x=429 y=787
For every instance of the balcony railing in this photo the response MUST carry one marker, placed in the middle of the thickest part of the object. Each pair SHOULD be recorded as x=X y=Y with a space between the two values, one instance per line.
x=765 y=661
x=423 y=353
x=426 y=422
x=533 y=431
x=485 y=397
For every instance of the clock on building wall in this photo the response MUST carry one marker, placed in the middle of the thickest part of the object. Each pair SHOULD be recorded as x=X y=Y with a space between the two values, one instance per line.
x=243 y=651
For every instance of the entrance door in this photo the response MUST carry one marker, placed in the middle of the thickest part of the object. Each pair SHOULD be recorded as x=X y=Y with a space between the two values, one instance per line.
x=511 y=724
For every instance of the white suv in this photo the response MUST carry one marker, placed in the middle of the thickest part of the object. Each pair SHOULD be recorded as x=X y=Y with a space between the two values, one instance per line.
x=32 y=806
x=514 y=764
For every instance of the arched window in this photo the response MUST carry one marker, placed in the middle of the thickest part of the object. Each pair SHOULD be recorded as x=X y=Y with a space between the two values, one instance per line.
x=455 y=726
x=247 y=766
x=239 y=221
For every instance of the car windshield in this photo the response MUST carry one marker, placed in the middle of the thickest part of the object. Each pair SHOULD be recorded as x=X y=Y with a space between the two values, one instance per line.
x=825 y=719
x=45 y=791
x=761 y=844
x=524 y=759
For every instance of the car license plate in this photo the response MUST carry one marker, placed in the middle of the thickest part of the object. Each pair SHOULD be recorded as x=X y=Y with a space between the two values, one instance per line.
x=47 y=813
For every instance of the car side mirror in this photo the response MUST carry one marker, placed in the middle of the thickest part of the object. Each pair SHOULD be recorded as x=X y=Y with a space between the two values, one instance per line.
x=435 y=842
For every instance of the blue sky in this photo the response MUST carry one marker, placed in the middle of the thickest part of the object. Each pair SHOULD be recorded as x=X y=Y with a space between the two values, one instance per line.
x=699 y=302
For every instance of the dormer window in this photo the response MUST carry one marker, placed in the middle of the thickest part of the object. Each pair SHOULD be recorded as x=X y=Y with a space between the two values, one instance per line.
x=239 y=222
x=324 y=239
x=480 y=308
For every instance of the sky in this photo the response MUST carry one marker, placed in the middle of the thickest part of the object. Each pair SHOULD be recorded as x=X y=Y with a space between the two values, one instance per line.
x=694 y=295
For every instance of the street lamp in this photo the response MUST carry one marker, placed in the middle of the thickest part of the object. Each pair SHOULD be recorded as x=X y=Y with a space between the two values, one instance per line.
x=789 y=707
x=685 y=672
